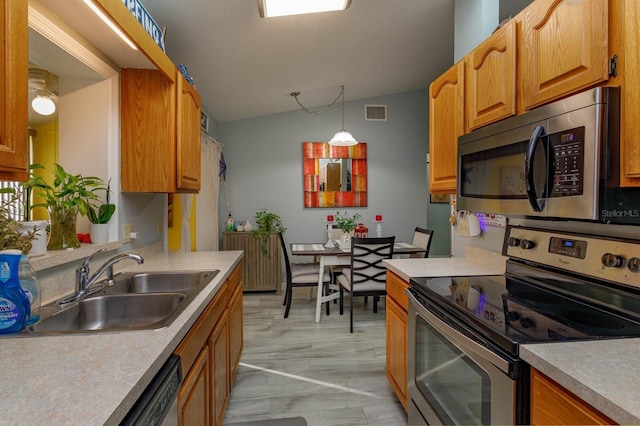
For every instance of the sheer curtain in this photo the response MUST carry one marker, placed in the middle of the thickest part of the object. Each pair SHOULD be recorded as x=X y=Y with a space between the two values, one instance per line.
x=207 y=199
x=185 y=225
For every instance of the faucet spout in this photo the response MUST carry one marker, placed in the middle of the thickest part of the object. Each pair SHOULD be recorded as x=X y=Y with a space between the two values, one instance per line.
x=84 y=282
x=108 y=268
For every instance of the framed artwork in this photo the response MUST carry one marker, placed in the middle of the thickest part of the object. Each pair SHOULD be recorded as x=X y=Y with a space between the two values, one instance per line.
x=334 y=176
x=439 y=198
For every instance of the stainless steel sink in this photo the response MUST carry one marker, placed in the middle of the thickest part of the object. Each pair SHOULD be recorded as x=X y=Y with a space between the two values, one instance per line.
x=136 y=301
x=160 y=282
x=115 y=312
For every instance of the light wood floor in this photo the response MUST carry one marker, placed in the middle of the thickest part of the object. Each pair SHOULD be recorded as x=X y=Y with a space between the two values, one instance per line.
x=295 y=367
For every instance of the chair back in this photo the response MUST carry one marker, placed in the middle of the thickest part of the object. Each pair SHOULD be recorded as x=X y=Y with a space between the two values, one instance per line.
x=285 y=253
x=422 y=238
x=367 y=255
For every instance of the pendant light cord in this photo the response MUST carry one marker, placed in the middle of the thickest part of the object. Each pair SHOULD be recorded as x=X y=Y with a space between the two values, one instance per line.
x=314 y=112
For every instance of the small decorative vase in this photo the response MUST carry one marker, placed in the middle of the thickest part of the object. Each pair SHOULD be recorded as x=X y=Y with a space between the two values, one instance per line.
x=99 y=233
x=346 y=239
x=248 y=226
x=63 y=228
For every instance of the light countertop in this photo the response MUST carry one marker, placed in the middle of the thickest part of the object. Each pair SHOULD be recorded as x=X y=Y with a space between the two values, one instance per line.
x=476 y=262
x=96 y=378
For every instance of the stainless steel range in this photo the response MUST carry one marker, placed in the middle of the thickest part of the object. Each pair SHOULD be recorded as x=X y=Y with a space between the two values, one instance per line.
x=465 y=332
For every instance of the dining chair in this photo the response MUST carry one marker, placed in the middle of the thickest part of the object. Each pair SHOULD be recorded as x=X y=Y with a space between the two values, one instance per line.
x=300 y=275
x=422 y=238
x=366 y=276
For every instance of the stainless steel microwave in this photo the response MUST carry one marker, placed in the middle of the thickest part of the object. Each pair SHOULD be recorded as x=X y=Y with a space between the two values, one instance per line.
x=560 y=160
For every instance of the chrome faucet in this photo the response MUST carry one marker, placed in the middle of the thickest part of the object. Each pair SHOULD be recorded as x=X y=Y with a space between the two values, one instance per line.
x=84 y=282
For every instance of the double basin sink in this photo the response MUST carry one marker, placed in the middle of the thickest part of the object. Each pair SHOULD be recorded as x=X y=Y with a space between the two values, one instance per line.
x=135 y=301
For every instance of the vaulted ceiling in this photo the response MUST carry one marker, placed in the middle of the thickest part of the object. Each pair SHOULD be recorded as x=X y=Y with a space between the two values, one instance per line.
x=246 y=66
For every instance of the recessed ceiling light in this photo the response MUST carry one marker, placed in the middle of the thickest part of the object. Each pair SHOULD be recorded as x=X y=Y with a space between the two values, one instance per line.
x=273 y=8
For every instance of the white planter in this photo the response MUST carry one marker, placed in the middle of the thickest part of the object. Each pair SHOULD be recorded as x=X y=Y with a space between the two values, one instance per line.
x=39 y=244
x=99 y=233
x=346 y=239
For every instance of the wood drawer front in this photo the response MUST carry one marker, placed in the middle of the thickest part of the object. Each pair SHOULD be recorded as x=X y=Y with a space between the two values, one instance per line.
x=192 y=344
x=396 y=287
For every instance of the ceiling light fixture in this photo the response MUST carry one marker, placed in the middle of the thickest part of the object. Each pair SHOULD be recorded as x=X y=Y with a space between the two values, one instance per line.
x=110 y=23
x=43 y=103
x=273 y=8
x=343 y=138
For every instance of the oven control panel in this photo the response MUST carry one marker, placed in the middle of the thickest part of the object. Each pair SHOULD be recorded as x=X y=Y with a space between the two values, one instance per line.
x=603 y=257
x=568 y=247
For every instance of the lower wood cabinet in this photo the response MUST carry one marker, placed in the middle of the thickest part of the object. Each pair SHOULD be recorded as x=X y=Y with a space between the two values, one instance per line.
x=397 y=335
x=210 y=355
x=552 y=404
x=236 y=335
x=261 y=270
x=219 y=357
x=193 y=398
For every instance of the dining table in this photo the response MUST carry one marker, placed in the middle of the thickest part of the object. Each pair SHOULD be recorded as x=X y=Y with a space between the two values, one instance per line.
x=338 y=255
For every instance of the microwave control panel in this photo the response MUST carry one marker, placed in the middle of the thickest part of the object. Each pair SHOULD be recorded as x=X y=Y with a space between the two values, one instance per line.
x=568 y=162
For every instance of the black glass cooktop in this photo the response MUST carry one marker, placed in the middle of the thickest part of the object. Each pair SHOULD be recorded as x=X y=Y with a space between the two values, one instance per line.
x=528 y=305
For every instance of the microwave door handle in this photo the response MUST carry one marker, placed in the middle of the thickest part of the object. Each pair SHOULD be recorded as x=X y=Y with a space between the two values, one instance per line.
x=529 y=170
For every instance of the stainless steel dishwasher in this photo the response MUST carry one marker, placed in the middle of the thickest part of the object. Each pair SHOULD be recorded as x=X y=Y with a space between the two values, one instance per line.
x=158 y=404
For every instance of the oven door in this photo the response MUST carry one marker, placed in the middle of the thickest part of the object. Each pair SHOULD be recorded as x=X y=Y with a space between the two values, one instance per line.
x=452 y=379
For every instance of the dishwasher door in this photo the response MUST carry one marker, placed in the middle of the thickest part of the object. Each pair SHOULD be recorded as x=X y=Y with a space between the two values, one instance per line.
x=158 y=404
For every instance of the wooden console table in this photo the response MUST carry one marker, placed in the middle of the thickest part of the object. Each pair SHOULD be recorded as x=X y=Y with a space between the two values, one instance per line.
x=261 y=271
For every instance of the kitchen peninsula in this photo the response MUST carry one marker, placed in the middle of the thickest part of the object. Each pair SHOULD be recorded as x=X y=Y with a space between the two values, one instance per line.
x=96 y=378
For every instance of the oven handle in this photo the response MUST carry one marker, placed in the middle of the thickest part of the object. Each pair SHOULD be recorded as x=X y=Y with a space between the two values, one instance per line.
x=462 y=342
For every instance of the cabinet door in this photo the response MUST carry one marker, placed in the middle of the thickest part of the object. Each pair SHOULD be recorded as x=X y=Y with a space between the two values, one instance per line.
x=236 y=334
x=626 y=39
x=397 y=350
x=219 y=369
x=147 y=131
x=446 y=108
x=551 y=404
x=14 y=74
x=565 y=48
x=194 y=395
x=188 y=136
x=490 y=79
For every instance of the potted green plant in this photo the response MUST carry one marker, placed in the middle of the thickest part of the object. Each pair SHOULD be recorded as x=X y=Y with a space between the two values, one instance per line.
x=64 y=199
x=267 y=223
x=12 y=234
x=346 y=224
x=99 y=215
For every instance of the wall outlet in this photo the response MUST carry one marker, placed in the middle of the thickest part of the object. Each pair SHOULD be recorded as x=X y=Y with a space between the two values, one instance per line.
x=127 y=229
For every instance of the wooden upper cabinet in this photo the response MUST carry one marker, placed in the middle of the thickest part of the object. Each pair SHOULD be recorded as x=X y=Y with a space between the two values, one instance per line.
x=446 y=123
x=490 y=79
x=564 y=48
x=188 y=136
x=159 y=133
x=14 y=74
x=624 y=39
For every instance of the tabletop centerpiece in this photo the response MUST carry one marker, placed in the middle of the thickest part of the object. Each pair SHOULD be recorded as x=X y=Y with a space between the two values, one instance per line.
x=346 y=224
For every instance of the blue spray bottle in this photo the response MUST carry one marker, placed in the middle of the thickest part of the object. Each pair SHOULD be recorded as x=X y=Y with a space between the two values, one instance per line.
x=14 y=305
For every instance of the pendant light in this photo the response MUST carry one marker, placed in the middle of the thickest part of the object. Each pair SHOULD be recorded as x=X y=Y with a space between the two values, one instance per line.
x=343 y=138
